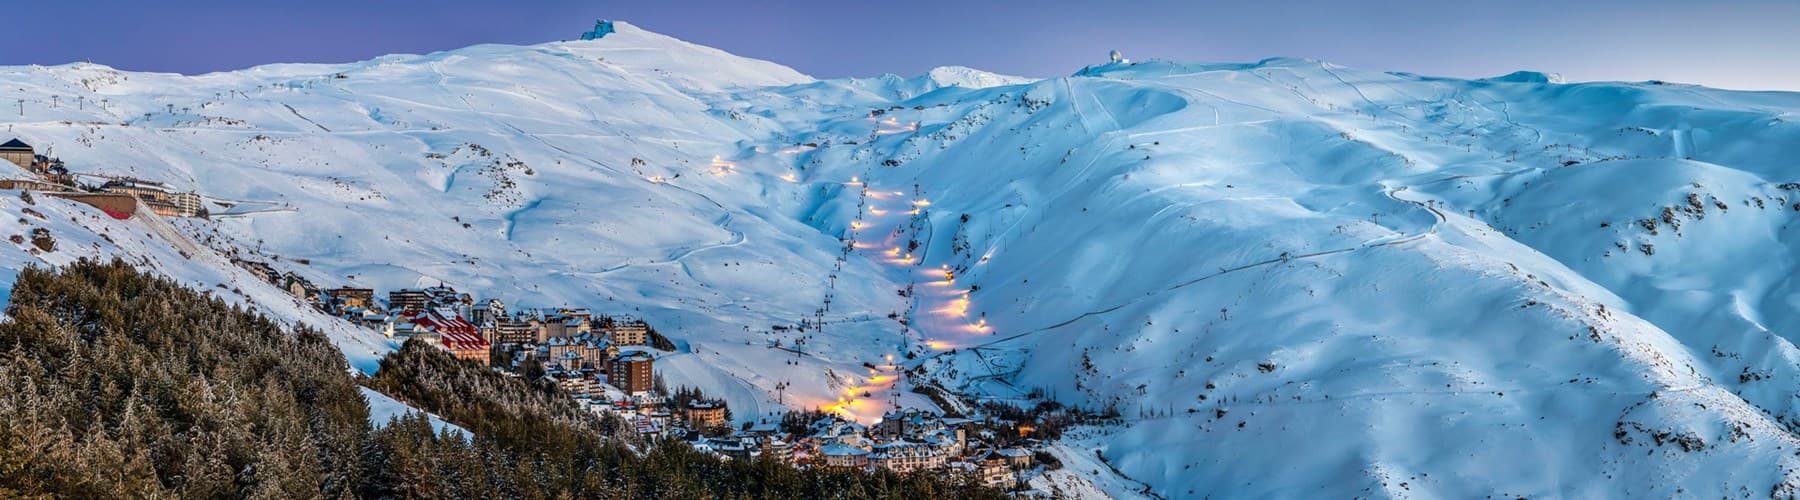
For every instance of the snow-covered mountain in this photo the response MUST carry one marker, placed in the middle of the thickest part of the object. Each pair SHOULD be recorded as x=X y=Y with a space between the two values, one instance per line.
x=1291 y=278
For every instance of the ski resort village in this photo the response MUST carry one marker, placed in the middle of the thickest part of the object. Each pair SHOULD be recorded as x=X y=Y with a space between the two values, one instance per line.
x=607 y=365
x=590 y=267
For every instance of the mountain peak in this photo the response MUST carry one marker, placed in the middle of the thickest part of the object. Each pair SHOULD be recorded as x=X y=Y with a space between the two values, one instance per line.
x=1527 y=77
x=633 y=47
x=966 y=77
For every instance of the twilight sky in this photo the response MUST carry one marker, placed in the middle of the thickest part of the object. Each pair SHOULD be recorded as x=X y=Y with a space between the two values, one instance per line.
x=1742 y=44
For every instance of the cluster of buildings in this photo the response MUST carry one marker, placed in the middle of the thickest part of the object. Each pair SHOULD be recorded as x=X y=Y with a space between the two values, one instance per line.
x=160 y=198
x=572 y=347
x=603 y=362
x=605 y=365
x=50 y=174
x=50 y=170
x=904 y=441
x=655 y=416
x=291 y=282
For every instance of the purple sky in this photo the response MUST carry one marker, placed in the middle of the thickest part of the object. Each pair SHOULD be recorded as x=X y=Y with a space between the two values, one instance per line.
x=1745 y=44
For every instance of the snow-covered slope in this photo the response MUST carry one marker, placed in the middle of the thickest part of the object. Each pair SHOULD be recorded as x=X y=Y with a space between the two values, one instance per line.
x=1291 y=278
x=384 y=409
x=76 y=231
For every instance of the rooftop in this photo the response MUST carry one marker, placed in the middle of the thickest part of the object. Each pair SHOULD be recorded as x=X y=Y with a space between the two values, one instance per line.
x=838 y=449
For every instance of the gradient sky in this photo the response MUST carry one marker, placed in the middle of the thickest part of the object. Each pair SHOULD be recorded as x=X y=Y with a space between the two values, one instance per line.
x=1742 y=44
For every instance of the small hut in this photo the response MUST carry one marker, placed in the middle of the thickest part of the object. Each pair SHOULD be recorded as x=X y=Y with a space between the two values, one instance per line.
x=19 y=153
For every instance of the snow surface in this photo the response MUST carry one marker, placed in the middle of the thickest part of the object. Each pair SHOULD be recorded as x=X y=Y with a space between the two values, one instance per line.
x=1083 y=473
x=384 y=409
x=1292 y=278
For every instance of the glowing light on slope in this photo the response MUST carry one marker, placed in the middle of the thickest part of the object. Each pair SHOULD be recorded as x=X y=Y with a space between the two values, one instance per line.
x=877 y=211
x=790 y=177
x=722 y=168
x=895 y=258
x=893 y=126
x=841 y=408
x=857 y=226
x=921 y=202
x=958 y=307
x=980 y=327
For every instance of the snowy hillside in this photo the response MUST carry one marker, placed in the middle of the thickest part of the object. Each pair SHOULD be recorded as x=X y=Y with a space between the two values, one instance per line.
x=1291 y=278
x=384 y=409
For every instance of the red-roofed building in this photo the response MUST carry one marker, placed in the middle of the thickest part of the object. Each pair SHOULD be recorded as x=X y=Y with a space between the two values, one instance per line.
x=454 y=334
x=647 y=426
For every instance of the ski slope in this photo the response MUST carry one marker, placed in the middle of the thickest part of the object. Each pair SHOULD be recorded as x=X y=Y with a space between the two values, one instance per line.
x=1291 y=278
